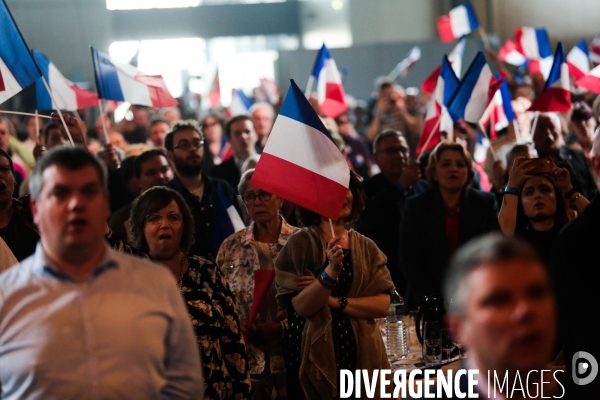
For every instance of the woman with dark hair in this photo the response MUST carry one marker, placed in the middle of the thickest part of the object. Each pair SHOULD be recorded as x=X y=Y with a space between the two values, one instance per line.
x=534 y=203
x=162 y=229
x=437 y=222
x=216 y=147
x=330 y=318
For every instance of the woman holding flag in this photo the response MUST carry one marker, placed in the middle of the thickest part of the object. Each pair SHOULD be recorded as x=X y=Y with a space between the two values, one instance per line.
x=162 y=229
x=330 y=318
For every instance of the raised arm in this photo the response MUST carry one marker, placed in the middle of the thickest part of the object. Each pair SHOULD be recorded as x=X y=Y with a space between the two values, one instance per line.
x=507 y=218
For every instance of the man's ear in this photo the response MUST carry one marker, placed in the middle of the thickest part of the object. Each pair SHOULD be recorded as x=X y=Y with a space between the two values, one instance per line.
x=34 y=209
x=170 y=155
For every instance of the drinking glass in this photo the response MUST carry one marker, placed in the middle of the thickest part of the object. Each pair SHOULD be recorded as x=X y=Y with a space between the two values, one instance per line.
x=447 y=343
x=432 y=343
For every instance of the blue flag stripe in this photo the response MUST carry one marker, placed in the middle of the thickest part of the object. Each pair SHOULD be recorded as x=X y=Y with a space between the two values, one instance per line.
x=320 y=60
x=559 y=59
x=543 y=42
x=473 y=22
x=14 y=52
x=107 y=80
x=43 y=100
x=461 y=97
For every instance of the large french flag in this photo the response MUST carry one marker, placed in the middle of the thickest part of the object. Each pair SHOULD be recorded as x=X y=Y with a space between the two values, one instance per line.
x=533 y=43
x=437 y=117
x=300 y=162
x=330 y=92
x=459 y=22
x=17 y=67
x=591 y=81
x=123 y=82
x=578 y=60
x=499 y=113
x=68 y=95
x=455 y=57
x=475 y=91
x=509 y=53
x=556 y=96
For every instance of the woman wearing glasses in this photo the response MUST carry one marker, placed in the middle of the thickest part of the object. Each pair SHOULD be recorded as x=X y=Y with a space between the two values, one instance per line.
x=255 y=248
x=162 y=230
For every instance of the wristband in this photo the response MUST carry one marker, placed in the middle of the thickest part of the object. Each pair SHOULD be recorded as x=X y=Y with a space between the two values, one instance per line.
x=570 y=193
x=325 y=283
x=512 y=190
x=327 y=278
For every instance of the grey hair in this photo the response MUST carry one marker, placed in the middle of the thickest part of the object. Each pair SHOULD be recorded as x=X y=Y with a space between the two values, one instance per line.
x=70 y=157
x=244 y=181
x=265 y=105
x=384 y=134
x=490 y=249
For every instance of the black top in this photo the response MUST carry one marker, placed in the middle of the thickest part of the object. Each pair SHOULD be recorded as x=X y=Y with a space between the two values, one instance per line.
x=542 y=240
x=227 y=171
x=19 y=236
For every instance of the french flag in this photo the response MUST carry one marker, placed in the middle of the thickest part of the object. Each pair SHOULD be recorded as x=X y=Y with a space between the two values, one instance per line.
x=556 y=96
x=68 y=95
x=300 y=162
x=510 y=54
x=17 y=67
x=578 y=60
x=437 y=117
x=459 y=22
x=533 y=43
x=240 y=103
x=475 y=91
x=455 y=57
x=499 y=113
x=542 y=66
x=591 y=81
x=123 y=82
x=226 y=220
x=330 y=92
x=214 y=95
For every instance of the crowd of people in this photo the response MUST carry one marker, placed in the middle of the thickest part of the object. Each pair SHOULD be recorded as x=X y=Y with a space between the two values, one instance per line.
x=107 y=239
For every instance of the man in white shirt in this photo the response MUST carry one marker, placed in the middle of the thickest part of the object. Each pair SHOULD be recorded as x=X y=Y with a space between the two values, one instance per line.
x=78 y=320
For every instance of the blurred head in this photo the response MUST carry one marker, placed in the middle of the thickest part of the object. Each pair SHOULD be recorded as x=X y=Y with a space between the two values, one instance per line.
x=212 y=127
x=161 y=223
x=184 y=144
x=391 y=153
x=263 y=117
x=583 y=124
x=7 y=179
x=547 y=136
x=519 y=150
x=172 y=114
x=117 y=140
x=4 y=134
x=502 y=306
x=450 y=167
x=540 y=200
x=158 y=130
x=344 y=124
x=242 y=136
x=53 y=136
x=354 y=204
x=262 y=206
x=152 y=169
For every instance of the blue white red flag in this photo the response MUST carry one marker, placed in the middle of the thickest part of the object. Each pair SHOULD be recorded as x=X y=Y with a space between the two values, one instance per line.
x=459 y=22
x=475 y=91
x=226 y=220
x=533 y=43
x=591 y=81
x=214 y=95
x=240 y=103
x=123 y=82
x=437 y=117
x=499 y=113
x=300 y=162
x=68 y=95
x=578 y=60
x=330 y=92
x=455 y=58
x=556 y=96
x=510 y=54
x=17 y=68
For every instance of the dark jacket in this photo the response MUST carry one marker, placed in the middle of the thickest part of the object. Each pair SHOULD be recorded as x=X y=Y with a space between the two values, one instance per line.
x=206 y=237
x=227 y=171
x=581 y=175
x=423 y=245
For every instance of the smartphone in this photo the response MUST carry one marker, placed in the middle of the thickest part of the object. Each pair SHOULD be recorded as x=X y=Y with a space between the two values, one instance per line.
x=543 y=166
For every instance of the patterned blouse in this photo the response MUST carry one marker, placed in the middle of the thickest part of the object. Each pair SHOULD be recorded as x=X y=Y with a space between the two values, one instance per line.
x=238 y=259
x=212 y=314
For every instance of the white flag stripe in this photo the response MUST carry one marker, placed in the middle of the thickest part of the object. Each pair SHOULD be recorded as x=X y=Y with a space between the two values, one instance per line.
x=478 y=102
x=236 y=221
x=328 y=74
x=62 y=92
x=529 y=43
x=306 y=147
x=459 y=21
x=134 y=92
x=11 y=85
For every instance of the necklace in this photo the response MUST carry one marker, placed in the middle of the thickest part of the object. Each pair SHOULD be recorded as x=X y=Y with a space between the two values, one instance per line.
x=181 y=270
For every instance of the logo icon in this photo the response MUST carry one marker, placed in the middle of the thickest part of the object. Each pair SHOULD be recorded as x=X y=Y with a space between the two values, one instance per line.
x=584 y=367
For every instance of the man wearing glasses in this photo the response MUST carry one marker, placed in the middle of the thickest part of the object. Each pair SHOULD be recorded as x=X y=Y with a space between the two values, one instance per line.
x=185 y=151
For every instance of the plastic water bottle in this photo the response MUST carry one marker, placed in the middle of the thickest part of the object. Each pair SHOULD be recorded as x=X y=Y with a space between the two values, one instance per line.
x=396 y=343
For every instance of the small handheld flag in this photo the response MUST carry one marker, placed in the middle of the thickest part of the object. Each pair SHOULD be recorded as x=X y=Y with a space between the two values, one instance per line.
x=578 y=60
x=459 y=22
x=556 y=96
x=300 y=162
x=455 y=58
x=591 y=81
x=533 y=43
x=330 y=92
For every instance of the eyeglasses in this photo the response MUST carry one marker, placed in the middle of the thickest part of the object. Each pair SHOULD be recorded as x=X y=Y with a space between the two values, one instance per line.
x=185 y=145
x=250 y=198
x=156 y=218
x=5 y=170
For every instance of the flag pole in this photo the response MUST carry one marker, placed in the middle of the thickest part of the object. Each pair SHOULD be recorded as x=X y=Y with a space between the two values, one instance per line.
x=484 y=38
x=24 y=113
x=309 y=85
x=517 y=131
x=331 y=226
x=394 y=74
x=62 y=119
x=437 y=124
x=494 y=155
x=37 y=126
x=534 y=125
x=106 y=139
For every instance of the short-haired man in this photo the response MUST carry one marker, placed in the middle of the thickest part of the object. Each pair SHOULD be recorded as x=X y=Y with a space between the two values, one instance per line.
x=502 y=309
x=386 y=193
x=242 y=136
x=185 y=150
x=263 y=117
x=79 y=320
x=573 y=270
x=151 y=168
x=159 y=127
